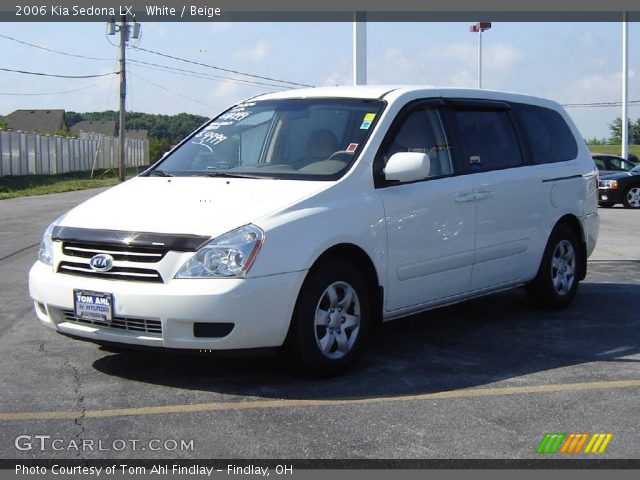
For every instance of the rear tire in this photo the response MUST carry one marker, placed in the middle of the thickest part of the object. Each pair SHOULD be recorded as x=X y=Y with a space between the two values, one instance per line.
x=331 y=321
x=631 y=197
x=558 y=276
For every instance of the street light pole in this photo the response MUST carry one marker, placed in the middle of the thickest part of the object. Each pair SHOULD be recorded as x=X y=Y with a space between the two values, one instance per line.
x=625 y=87
x=479 y=28
x=480 y=59
x=359 y=48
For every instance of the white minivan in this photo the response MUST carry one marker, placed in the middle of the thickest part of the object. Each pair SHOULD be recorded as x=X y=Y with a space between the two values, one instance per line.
x=302 y=219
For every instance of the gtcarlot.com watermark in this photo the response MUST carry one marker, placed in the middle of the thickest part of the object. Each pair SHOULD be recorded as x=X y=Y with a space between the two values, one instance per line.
x=47 y=443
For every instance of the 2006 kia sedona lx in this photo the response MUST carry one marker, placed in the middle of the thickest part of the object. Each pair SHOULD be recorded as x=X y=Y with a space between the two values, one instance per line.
x=303 y=218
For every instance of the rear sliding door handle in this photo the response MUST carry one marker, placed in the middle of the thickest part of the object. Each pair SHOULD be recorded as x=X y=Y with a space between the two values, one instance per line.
x=483 y=195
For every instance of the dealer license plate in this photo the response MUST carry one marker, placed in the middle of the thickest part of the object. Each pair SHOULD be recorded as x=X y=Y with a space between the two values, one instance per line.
x=94 y=306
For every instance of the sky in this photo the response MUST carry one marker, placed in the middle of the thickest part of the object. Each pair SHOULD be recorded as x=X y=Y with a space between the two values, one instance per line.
x=567 y=62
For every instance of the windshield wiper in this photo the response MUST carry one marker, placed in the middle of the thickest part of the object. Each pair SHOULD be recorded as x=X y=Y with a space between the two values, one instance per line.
x=228 y=175
x=159 y=173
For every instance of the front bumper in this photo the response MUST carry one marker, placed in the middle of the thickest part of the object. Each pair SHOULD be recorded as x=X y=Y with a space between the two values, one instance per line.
x=591 y=227
x=163 y=315
x=607 y=195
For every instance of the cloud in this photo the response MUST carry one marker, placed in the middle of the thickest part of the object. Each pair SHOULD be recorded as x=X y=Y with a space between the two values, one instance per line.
x=587 y=39
x=453 y=64
x=598 y=87
x=220 y=27
x=464 y=78
x=501 y=57
x=259 y=51
x=457 y=52
x=336 y=78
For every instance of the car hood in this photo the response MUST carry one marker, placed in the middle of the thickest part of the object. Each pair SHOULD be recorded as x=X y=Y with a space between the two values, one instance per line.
x=188 y=205
x=618 y=175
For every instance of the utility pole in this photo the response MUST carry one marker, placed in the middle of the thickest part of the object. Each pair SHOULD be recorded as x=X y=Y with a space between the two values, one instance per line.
x=124 y=33
x=625 y=87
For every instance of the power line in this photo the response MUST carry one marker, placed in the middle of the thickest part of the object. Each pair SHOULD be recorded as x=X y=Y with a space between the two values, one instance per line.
x=600 y=104
x=170 y=91
x=54 y=51
x=222 y=69
x=57 y=76
x=54 y=93
x=192 y=73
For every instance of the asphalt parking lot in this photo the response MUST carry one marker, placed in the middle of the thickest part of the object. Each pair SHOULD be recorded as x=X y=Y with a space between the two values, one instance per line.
x=484 y=379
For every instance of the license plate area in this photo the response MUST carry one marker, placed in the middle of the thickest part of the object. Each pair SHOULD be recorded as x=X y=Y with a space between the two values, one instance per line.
x=94 y=306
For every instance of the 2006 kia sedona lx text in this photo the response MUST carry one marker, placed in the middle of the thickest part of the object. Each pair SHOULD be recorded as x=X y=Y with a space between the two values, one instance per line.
x=303 y=218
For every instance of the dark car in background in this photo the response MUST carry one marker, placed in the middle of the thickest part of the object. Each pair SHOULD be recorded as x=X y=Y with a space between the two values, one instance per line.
x=620 y=187
x=608 y=164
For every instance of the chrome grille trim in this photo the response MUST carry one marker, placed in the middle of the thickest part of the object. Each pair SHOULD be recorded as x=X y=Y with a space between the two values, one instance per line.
x=116 y=273
x=112 y=252
x=137 y=325
x=118 y=252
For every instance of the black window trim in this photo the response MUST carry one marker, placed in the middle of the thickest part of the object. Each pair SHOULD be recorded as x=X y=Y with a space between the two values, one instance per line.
x=468 y=104
x=446 y=108
x=378 y=175
x=516 y=115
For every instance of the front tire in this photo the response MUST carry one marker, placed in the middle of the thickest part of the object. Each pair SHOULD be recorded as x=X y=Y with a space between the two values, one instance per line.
x=557 y=280
x=631 y=197
x=331 y=321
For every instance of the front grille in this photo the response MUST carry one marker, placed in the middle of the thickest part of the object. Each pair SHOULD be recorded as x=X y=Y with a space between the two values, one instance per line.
x=116 y=273
x=118 y=252
x=141 y=325
x=82 y=252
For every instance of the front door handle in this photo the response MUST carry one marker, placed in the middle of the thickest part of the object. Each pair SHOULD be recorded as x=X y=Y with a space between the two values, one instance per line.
x=465 y=197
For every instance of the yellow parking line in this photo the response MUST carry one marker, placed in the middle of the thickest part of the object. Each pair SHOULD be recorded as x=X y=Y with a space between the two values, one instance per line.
x=284 y=403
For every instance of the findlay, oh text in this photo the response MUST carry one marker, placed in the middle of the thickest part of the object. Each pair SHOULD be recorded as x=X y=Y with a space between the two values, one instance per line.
x=156 y=469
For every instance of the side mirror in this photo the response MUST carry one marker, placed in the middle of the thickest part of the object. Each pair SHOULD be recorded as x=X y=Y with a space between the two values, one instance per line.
x=407 y=167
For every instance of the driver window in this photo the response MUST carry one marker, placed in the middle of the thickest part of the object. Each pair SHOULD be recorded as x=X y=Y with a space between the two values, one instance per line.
x=421 y=132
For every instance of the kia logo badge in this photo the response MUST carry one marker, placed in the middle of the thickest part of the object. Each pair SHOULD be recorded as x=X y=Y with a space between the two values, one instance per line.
x=101 y=263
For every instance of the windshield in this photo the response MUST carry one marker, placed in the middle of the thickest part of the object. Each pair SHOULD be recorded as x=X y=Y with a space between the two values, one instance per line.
x=636 y=169
x=309 y=139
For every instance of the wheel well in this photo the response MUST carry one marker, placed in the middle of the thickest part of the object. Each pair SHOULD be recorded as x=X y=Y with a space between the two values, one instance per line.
x=359 y=258
x=629 y=187
x=574 y=224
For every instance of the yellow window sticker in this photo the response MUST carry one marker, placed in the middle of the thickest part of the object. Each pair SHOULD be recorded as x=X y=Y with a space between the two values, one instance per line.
x=367 y=120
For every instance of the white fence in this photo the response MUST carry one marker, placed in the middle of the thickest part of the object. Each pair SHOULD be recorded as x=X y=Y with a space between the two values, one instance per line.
x=23 y=153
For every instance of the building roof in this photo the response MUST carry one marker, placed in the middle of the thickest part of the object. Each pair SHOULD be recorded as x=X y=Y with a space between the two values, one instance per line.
x=42 y=121
x=107 y=128
x=140 y=134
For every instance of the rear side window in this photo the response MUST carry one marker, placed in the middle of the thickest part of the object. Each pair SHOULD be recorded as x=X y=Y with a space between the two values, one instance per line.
x=488 y=139
x=549 y=136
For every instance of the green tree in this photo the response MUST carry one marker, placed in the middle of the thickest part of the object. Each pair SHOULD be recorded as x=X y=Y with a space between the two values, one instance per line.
x=616 y=132
x=157 y=147
x=597 y=141
x=164 y=130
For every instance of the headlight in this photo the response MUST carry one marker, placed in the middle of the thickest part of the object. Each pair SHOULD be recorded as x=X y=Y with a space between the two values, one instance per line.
x=45 y=254
x=610 y=184
x=229 y=255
